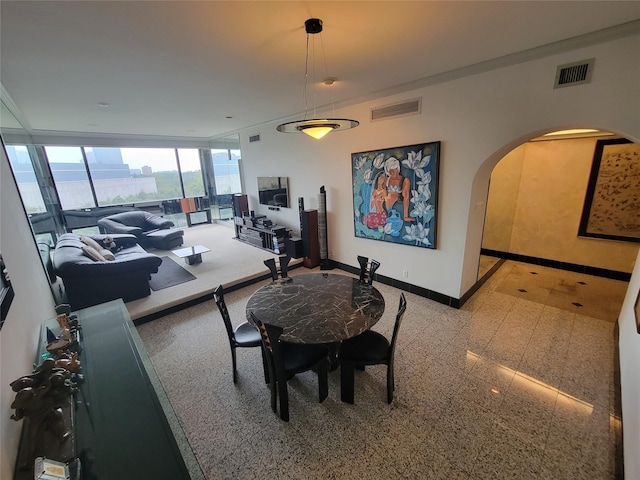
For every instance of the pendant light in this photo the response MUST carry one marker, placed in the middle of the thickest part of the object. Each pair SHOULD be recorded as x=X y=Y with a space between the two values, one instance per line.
x=317 y=127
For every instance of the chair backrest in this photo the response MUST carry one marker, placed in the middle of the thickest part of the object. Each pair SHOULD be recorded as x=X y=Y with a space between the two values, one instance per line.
x=373 y=266
x=284 y=264
x=218 y=296
x=275 y=271
x=367 y=269
x=271 y=264
x=402 y=307
x=270 y=336
x=363 y=261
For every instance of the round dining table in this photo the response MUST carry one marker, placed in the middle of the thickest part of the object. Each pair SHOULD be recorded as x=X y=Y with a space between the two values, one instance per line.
x=318 y=307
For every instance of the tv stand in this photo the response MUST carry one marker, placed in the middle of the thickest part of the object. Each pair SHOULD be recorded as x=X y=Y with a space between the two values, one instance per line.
x=270 y=238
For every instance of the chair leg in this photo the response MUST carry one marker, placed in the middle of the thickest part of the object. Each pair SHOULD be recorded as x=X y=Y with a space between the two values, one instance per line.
x=233 y=363
x=323 y=381
x=283 y=393
x=390 y=383
x=265 y=367
x=346 y=381
x=274 y=396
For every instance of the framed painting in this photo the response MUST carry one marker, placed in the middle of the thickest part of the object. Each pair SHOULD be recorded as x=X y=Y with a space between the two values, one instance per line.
x=395 y=194
x=636 y=310
x=612 y=202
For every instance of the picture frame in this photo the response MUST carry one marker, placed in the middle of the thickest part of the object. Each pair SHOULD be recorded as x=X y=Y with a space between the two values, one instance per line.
x=395 y=194
x=6 y=292
x=611 y=202
x=636 y=310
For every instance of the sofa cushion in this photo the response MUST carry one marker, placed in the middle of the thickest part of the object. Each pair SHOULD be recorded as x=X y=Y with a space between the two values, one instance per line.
x=92 y=253
x=108 y=255
x=90 y=242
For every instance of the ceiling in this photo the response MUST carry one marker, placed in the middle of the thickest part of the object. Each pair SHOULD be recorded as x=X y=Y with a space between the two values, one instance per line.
x=205 y=69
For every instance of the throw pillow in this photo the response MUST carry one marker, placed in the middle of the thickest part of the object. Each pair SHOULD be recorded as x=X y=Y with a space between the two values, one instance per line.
x=91 y=242
x=108 y=255
x=93 y=254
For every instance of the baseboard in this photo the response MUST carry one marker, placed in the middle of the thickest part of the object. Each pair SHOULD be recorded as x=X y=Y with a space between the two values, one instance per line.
x=571 y=267
x=405 y=286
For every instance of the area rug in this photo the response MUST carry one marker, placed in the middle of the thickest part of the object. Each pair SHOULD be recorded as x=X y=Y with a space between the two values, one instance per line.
x=169 y=274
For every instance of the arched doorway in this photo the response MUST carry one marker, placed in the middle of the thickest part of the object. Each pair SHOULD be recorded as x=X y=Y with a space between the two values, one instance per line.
x=535 y=203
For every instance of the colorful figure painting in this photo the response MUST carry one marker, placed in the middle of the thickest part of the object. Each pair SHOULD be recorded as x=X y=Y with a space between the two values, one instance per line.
x=395 y=193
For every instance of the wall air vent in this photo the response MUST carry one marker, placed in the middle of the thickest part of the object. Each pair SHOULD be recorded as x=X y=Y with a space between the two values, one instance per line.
x=575 y=73
x=254 y=138
x=410 y=107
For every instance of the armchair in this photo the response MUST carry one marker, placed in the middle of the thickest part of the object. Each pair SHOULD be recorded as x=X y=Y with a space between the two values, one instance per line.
x=150 y=230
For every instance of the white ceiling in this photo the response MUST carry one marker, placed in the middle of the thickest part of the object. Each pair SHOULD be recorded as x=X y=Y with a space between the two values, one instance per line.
x=181 y=68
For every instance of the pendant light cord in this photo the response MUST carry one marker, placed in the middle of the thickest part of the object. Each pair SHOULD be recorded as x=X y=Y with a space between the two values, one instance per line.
x=306 y=79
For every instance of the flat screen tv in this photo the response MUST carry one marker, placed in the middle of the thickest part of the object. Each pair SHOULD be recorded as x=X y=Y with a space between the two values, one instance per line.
x=273 y=191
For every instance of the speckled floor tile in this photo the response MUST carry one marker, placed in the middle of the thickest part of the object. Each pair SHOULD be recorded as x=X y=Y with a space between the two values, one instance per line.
x=511 y=385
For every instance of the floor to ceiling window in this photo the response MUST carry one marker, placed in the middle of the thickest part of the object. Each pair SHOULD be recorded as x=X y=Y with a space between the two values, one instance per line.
x=226 y=170
x=70 y=175
x=25 y=176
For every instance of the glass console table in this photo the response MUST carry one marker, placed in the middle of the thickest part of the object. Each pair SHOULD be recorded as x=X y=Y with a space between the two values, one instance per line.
x=124 y=425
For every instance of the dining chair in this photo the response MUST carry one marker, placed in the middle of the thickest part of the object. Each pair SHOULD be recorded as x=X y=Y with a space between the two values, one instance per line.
x=367 y=269
x=244 y=335
x=285 y=359
x=273 y=268
x=368 y=348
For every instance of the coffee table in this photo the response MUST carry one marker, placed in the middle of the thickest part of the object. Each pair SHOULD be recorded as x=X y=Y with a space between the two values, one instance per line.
x=191 y=255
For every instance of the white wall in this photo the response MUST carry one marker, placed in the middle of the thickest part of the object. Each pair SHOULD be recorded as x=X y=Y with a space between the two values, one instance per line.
x=478 y=119
x=629 y=344
x=33 y=303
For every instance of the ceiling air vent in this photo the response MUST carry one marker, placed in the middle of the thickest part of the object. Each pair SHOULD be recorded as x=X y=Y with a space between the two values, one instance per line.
x=575 y=73
x=254 y=138
x=410 y=107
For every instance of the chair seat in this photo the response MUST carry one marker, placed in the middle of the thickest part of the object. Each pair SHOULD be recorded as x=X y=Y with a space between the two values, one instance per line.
x=368 y=347
x=300 y=358
x=246 y=335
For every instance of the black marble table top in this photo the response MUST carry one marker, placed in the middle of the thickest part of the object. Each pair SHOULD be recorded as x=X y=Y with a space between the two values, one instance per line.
x=318 y=307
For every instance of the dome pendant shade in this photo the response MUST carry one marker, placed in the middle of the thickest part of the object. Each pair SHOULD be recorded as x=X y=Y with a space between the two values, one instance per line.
x=316 y=128
x=316 y=132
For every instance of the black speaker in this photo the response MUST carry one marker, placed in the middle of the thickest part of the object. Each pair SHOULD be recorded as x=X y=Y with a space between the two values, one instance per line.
x=240 y=204
x=310 y=243
x=294 y=246
x=300 y=210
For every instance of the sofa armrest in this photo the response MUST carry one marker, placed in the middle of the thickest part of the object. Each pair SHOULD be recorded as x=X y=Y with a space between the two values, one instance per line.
x=157 y=223
x=111 y=226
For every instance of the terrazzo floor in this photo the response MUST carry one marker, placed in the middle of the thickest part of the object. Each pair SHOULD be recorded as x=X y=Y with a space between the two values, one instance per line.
x=519 y=383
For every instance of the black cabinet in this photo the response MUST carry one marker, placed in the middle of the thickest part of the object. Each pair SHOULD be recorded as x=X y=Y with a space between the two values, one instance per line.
x=124 y=426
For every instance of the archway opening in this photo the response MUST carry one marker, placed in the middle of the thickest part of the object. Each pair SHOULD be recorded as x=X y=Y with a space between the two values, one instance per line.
x=566 y=200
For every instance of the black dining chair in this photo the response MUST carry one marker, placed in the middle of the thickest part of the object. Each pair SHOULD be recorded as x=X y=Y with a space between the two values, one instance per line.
x=368 y=348
x=286 y=359
x=244 y=335
x=367 y=269
x=273 y=268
